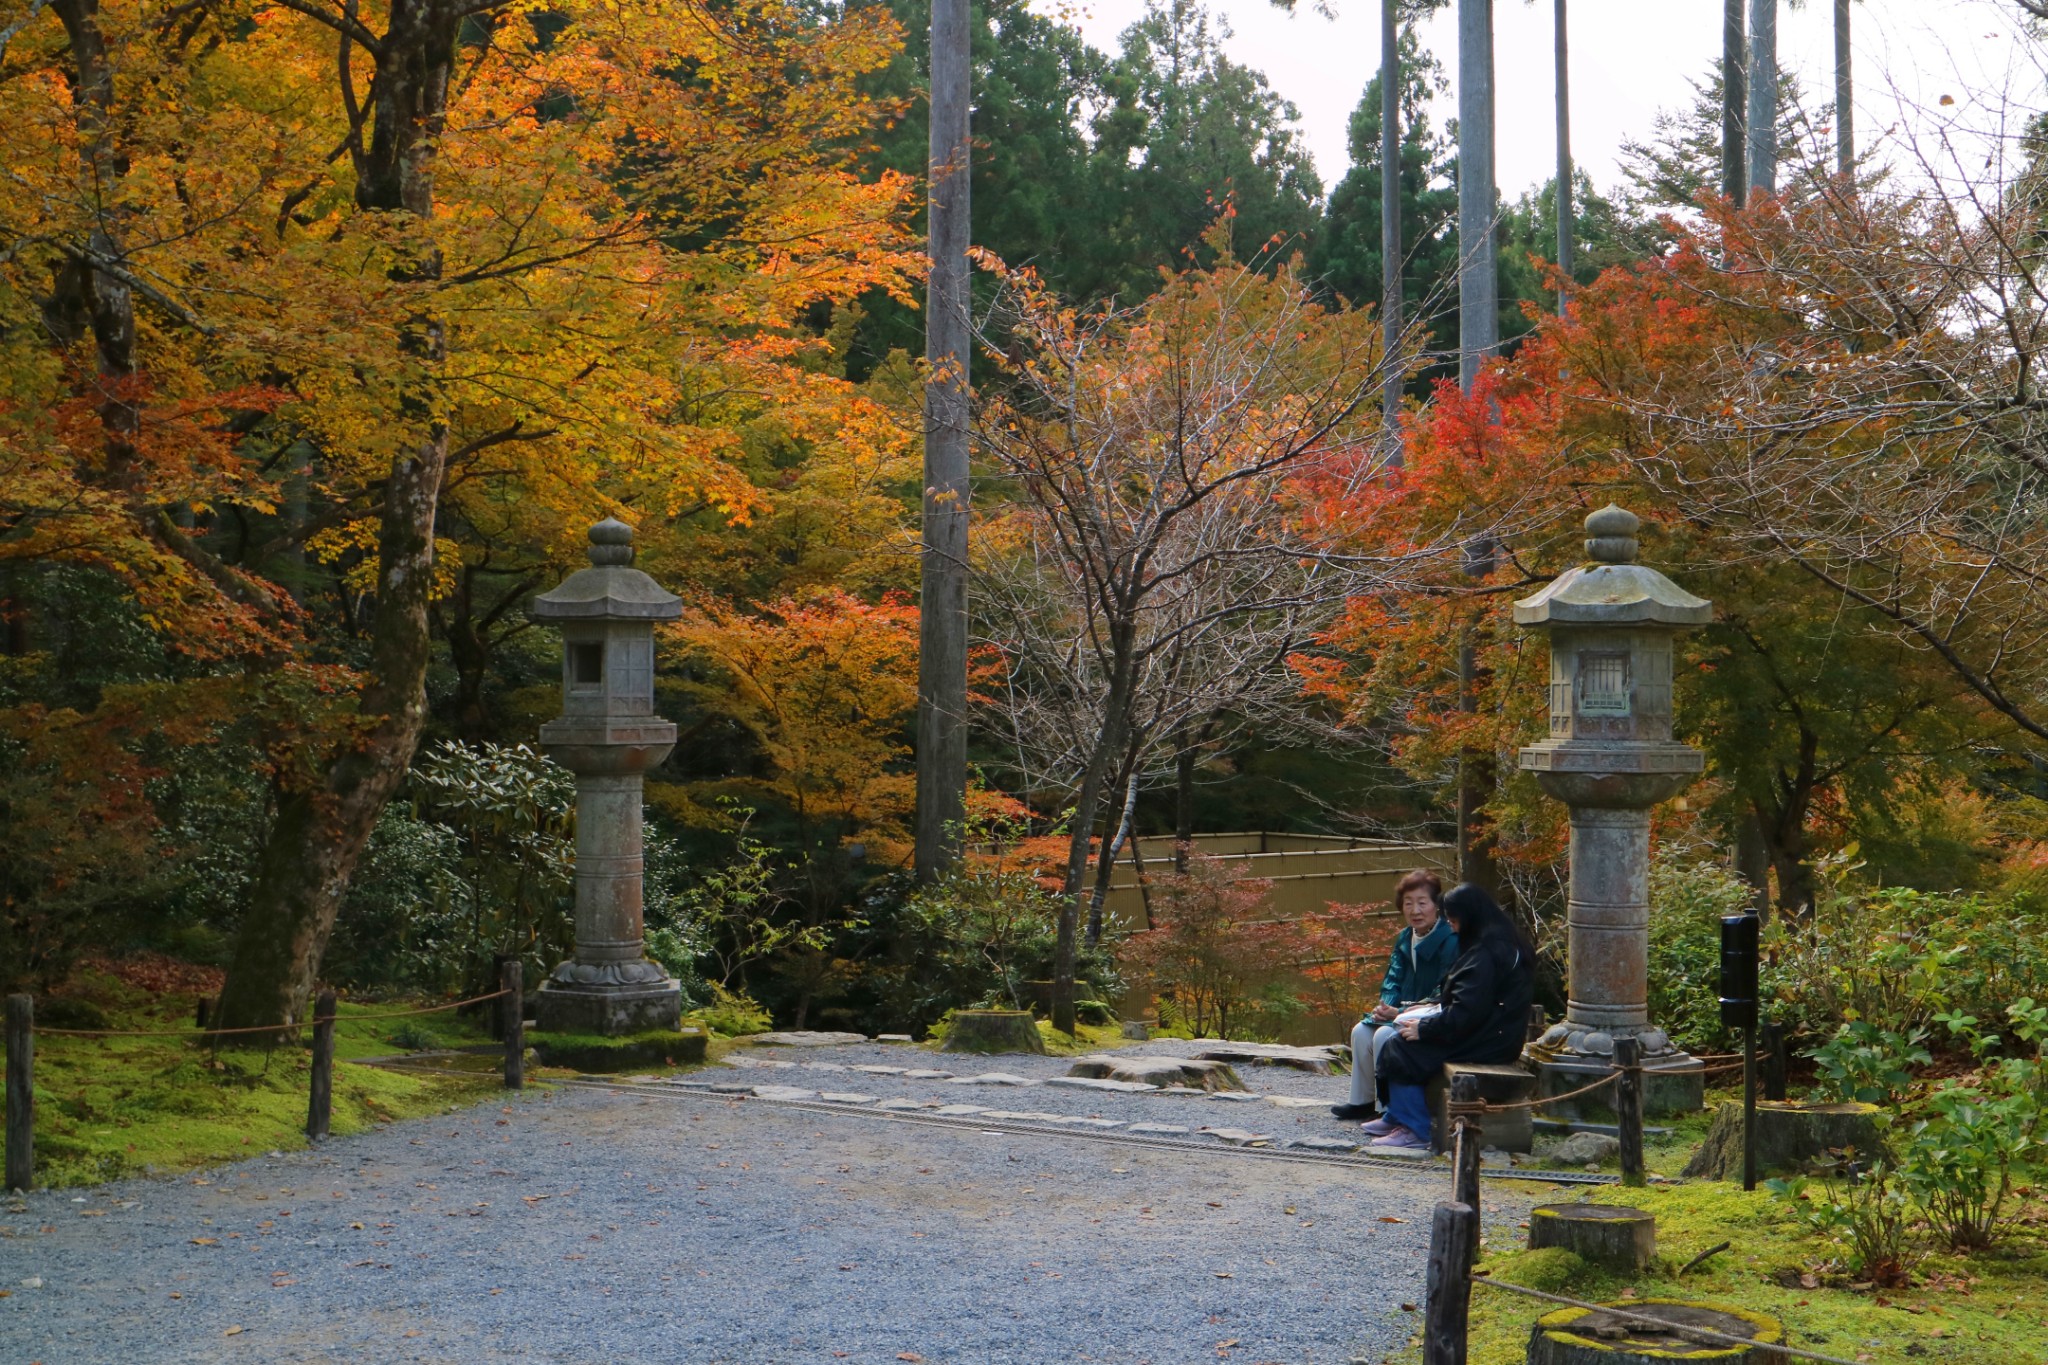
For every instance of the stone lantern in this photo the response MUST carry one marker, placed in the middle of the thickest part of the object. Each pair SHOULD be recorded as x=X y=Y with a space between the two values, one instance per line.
x=609 y=736
x=1610 y=758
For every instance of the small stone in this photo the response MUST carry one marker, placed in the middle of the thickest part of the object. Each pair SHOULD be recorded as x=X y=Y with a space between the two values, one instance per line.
x=1582 y=1148
x=1158 y=1129
x=845 y=1097
x=927 y=1074
x=1296 y=1102
x=894 y=1038
x=991 y=1078
x=959 y=1111
x=32 y=1282
x=1240 y=1137
x=1324 y=1144
x=781 y=1092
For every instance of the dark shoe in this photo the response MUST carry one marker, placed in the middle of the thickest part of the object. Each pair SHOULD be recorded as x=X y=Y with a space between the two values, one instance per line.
x=1355 y=1111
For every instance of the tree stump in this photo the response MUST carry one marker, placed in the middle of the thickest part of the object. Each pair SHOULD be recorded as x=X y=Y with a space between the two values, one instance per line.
x=993 y=1031
x=1160 y=1071
x=1606 y=1234
x=1581 y=1336
x=1789 y=1137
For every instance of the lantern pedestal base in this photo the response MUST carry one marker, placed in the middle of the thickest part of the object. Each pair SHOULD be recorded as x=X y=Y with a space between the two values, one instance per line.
x=608 y=1010
x=1571 y=1055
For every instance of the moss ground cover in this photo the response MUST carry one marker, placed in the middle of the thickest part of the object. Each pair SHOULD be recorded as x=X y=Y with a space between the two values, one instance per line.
x=113 y=1107
x=1989 y=1308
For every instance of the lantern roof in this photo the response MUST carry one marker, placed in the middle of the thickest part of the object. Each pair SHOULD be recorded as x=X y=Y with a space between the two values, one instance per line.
x=1614 y=590
x=611 y=589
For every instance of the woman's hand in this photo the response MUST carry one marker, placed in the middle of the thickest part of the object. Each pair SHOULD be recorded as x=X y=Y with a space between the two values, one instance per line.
x=1411 y=1029
x=1383 y=1012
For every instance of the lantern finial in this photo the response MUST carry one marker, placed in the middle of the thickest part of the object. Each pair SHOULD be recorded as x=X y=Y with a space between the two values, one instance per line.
x=611 y=542
x=1610 y=535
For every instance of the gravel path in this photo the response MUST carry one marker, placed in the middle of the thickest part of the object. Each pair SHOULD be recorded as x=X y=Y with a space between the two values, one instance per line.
x=593 y=1225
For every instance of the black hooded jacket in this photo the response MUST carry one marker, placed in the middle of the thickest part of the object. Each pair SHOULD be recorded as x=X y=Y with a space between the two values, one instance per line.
x=1488 y=990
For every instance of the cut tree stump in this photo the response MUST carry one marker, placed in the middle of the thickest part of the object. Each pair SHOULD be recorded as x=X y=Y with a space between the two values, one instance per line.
x=1606 y=1234
x=1582 y=1336
x=1331 y=1059
x=993 y=1031
x=1193 y=1072
x=1789 y=1137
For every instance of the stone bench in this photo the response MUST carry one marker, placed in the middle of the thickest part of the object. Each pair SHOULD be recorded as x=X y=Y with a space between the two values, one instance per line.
x=1508 y=1132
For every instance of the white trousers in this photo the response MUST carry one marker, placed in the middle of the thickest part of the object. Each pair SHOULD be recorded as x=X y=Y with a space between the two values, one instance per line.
x=1367 y=1038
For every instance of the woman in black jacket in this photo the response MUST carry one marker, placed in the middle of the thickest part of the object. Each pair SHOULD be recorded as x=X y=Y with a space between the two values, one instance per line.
x=1485 y=1015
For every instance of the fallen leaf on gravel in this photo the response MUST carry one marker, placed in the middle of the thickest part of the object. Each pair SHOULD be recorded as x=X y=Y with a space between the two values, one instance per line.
x=1384 y=1218
x=908 y=1355
x=1407 y=1308
x=1214 y=1205
x=357 y=1226
x=1224 y=1275
x=92 y=1213
x=233 y=1332
x=205 y=1241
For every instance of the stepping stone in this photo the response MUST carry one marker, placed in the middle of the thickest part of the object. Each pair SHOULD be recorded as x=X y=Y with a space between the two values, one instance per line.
x=1011 y=1115
x=845 y=1097
x=1400 y=1153
x=823 y=1066
x=806 y=1038
x=730 y=1088
x=1159 y=1129
x=1239 y=1096
x=1324 y=1144
x=959 y=1111
x=881 y=1070
x=1158 y=1070
x=903 y=1104
x=1080 y=1122
x=1240 y=1137
x=894 y=1038
x=754 y=1061
x=1321 y=1061
x=782 y=1092
x=1098 y=1083
x=1184 y=1090
x=991 y=1078
x=1296 y=1102
x=927 y=1074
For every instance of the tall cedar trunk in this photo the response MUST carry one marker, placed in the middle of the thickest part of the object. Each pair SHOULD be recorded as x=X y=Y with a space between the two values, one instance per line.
x=1392 y=254
x=1105 y=861
x=1478 y=332
x=1563 y=82
x=1784 y=827
x=942 y=622
x=1845 y=91
x=1763 y=97
x=1734 y=103
x=318 y=837
x=1115 y=721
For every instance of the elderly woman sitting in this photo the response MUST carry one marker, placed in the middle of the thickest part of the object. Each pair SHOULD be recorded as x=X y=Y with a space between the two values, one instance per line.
x=1422 y=954
x=1484 y=1017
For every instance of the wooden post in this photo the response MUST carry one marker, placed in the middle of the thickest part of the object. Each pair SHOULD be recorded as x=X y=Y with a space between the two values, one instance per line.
x=1749 y=1107
x=200 y=1011
x=1628 y=1107
x=21 y=1092
x=1538 y=1022
x=514 y=1014
x=1453 y=1246
x=1466 y=1139
x=494 y=1019
x=320 y=1100
x=1777 y=1061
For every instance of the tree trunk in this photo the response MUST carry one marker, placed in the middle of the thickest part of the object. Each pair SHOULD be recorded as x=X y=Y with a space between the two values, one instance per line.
x=1753 y=858
x=1563 y=81
x=1478 y=284
x=1392 y=256
x=1184 y=807
x=1105 y=862
x=318 y=837
x=1845 y=89
x=1763 y=96
x=1115 y=720
x=942 y=623
x=1734 y=97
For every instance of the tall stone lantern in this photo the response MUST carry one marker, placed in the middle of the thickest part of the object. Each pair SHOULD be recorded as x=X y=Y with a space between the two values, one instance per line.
x=1610 y=758
x=609 y=736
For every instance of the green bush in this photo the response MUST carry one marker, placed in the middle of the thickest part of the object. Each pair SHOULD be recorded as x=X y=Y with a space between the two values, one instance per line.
x=1687 y=901
x=734 y=1014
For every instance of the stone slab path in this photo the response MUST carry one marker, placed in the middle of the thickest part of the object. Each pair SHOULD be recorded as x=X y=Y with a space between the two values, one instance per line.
x=591 y=1224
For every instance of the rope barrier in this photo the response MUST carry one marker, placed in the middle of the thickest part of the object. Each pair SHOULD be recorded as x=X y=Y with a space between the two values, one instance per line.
x=339 y=1019
x=1676 y=1328
x=1504 y=1106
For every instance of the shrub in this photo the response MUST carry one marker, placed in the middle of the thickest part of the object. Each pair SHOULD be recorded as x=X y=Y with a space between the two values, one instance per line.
x=1212 y=951
x=732 y=1013
x=1687 y=901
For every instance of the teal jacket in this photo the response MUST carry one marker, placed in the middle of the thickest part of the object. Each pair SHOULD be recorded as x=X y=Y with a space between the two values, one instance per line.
x=1416 y=970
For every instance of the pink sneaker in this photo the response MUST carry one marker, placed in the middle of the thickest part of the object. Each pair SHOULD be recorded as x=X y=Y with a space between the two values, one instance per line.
x=1380 y=1127
x=1398 y=1136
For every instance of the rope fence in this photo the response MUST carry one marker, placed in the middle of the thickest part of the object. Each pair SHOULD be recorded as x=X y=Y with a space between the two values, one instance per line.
x=264 y=1028
x=21 y=1031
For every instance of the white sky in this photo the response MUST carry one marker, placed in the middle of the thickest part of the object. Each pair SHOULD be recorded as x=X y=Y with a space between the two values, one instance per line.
x=1631 y=58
